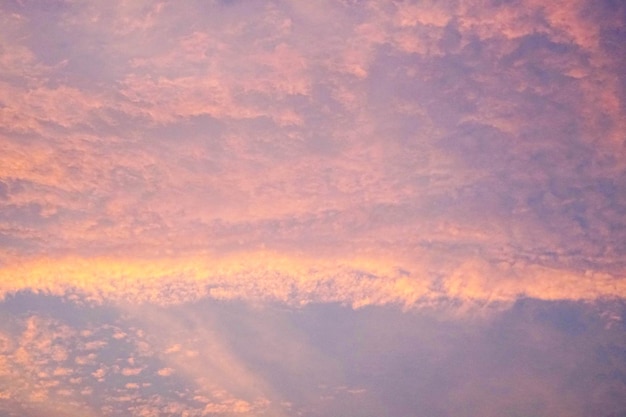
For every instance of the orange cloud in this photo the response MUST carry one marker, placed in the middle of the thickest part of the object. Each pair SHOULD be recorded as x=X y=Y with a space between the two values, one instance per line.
x=298 y=280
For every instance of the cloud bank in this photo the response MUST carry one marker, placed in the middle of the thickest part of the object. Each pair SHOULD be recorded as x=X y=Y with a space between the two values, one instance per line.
x=299 y=281
x=359 y=152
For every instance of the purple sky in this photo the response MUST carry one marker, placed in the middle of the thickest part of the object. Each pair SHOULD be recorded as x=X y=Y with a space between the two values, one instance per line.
x=292 y=208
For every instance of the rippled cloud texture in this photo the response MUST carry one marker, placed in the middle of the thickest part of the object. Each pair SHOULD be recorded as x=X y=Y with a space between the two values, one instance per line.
x=452 y=166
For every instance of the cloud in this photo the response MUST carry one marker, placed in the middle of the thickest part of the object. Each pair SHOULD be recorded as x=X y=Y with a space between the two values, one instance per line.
x=165 y=372
x=355 y=152
x=300 y=280
x=268 y=359
x=33 y=365
x=42 y=382
x=131 y=371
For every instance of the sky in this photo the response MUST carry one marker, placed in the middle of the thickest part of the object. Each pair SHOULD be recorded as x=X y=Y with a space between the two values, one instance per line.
x=328 y=208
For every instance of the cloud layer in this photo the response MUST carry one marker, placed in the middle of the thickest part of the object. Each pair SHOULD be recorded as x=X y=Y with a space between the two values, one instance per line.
x=361 y=152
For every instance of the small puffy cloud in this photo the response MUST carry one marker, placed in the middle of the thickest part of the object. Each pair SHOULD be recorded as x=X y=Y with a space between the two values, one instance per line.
x=165 y=372
x=174 y=348
x=131 y=371
x=119 y=335
x=63 y=372
x=99 y=374
x=85 y=359
x=95 y=345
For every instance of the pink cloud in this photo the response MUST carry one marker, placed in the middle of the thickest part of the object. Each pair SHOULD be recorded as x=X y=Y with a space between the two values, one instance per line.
x=131 y=371
x=366 y=154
